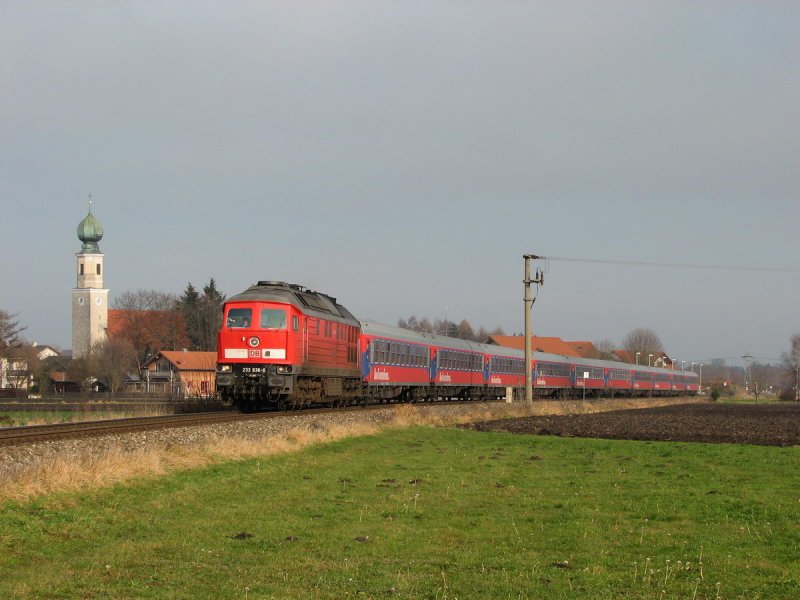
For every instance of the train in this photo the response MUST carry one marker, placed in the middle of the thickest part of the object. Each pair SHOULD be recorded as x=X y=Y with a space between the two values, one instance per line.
x=284 y=346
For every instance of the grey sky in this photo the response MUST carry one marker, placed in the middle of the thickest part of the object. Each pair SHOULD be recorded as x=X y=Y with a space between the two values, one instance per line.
x=402 y=156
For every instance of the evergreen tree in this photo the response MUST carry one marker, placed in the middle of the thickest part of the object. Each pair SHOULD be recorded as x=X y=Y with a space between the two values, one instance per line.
x=189 y=306
x=210 y=315
x=9 y=330
x=202 y=314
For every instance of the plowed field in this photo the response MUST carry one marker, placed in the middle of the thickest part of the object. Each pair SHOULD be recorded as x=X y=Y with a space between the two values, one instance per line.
x=761 y=424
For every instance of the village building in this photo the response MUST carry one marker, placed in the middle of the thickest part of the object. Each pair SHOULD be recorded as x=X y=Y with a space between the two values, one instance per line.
x=180 y=373
x=15 y=366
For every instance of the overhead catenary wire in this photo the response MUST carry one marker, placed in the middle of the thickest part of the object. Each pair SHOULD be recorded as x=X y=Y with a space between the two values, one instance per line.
x=642 y=263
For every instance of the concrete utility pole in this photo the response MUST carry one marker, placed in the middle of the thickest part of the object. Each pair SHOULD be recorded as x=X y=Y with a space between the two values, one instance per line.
x=539 y=280
x=797 y=374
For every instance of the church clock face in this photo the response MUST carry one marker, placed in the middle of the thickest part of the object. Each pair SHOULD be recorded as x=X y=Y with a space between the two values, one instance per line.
x=81 y=301
x=98 y=301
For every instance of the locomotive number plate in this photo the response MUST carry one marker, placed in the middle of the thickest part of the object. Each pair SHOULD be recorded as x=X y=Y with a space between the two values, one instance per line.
x=254 y=369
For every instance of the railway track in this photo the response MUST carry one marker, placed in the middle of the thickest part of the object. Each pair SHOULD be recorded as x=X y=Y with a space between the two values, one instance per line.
x=39 y=433
x=11 y=436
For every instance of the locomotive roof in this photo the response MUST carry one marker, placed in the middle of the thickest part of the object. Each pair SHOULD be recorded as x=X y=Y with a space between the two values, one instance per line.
x=310 y=302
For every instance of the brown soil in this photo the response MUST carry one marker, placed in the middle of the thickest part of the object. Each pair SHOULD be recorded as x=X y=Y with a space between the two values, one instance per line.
x=762 y=424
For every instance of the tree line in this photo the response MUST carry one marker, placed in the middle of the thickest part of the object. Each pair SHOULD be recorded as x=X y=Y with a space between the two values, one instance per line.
x=462 y=330
x=152 y=321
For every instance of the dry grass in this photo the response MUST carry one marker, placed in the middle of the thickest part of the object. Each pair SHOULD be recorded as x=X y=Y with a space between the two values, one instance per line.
x=77 y=416
x=86 y=470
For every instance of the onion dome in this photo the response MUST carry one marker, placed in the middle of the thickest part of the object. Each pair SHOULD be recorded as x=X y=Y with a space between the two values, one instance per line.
x=90 y=231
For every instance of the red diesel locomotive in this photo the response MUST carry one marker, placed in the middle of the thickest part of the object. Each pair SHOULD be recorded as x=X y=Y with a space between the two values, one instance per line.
x=283 y=345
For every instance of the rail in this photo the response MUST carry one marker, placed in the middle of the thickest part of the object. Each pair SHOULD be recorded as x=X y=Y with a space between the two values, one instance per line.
x=10 y=436
x=38 y=433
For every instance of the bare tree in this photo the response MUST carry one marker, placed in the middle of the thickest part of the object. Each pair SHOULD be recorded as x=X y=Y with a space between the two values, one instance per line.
x=791 y=371
x=146 y=300
x=111 y=361
x=425 y=326
x=642 y=340
x=79 y=371
x=150 y=331
x=151 y=321
x=464 y=330
x=604 y=349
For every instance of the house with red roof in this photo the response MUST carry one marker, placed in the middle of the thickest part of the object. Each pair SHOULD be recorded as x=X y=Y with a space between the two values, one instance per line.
x=585 y=349
x=181 y=373
x=550 y=345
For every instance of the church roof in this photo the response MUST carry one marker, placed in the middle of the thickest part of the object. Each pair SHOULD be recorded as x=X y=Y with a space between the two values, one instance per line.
x=90 y=231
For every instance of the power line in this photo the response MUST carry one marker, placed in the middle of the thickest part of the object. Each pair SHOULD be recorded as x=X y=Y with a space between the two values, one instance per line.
x=641 y=263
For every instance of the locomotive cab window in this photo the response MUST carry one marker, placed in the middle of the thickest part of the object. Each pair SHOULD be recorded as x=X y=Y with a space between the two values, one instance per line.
x=239 y=317
x=273 y=318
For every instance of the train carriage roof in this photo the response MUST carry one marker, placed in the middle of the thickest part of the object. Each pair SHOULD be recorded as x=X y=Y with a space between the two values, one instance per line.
x=380 y=330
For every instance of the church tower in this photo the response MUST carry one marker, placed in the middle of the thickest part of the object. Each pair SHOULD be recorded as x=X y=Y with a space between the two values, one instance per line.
x=89 y=297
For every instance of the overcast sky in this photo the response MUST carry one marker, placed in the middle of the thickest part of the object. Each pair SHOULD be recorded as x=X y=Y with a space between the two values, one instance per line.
x=403 y=156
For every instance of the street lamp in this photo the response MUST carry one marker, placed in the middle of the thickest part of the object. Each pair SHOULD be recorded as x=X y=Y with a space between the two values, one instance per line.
x=701 y=377
x=637 y=357
x=649 y=358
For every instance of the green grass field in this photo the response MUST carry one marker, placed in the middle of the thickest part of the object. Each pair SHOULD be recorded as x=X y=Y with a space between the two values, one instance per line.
x=427 y=513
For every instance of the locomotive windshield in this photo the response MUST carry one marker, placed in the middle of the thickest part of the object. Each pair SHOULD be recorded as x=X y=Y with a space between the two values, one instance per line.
x=273 y=318
x=240 y=317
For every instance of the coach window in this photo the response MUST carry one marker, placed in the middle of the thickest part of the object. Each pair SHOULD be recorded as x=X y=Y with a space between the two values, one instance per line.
x=273 y=318
x=239 y=317
x=295 y=323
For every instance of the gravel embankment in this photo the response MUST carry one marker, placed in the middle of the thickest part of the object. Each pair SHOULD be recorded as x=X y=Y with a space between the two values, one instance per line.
x=12 y=457
x=202 y=435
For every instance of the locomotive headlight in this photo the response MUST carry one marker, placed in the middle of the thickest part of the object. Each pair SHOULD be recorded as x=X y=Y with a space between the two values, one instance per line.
x=283 y=369
x=224 y=368
x=254 y=342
